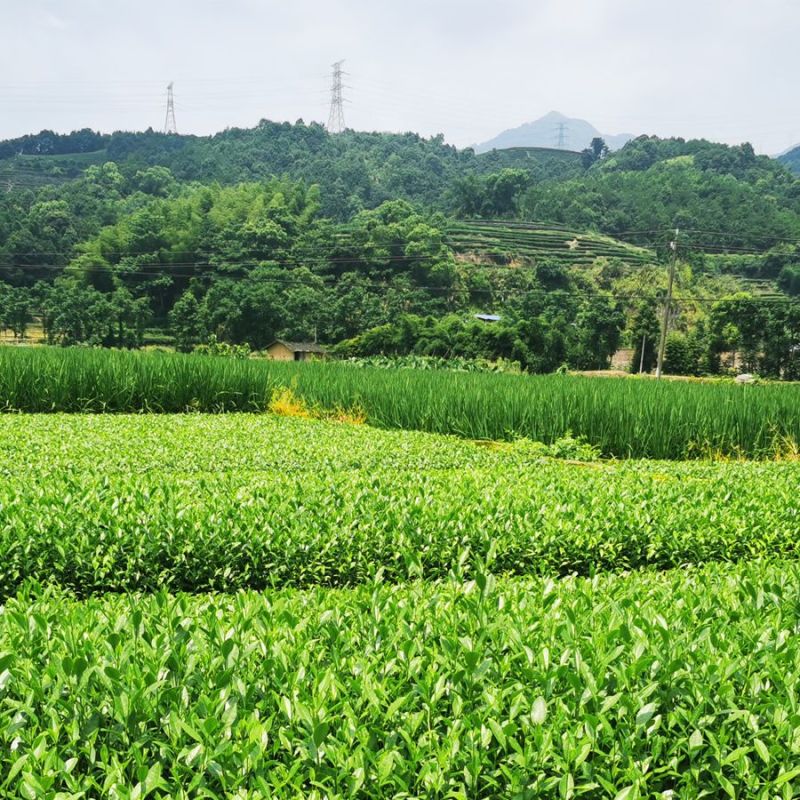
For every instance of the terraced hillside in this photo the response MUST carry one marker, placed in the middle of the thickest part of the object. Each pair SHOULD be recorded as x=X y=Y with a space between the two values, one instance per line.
x=519 y=240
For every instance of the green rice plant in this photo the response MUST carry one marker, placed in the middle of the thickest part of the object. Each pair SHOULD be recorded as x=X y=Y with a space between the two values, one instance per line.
x=672 y=685
x=198 y=503
x=623 y=418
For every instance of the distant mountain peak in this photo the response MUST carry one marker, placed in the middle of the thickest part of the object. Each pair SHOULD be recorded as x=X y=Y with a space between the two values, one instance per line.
x=547 y=131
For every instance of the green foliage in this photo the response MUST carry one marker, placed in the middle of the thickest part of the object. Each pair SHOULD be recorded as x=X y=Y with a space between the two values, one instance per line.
x=623 y=417
x=683 y=354
x=16 y=308
x=213 y=347
x=455 y=364
x=596 y=151
x=50 y=143
x=538 y=334
x=765 y=335
x=568 y=446
x=720 y=196
x=494 y=195
x=616 y=686
x=540 y=162
x=450 y=661
x=252 y=263
x=196 y=236
x=789 y=279
x=645 y=332
x=188 y=322
x=224 y=503
x=513 y=240
x=76 y=314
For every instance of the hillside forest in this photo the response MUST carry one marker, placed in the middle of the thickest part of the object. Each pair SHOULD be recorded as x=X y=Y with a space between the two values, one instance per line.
x=391 y=244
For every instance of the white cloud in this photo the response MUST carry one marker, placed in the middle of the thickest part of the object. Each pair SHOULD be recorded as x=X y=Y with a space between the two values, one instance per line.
x=54 y=21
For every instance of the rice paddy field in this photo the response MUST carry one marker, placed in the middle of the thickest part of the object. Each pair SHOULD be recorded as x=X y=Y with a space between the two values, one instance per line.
x=248 y=605
x=623 y=418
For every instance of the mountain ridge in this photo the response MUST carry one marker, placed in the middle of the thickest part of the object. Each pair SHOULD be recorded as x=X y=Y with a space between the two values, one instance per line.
x=790 y=159
x=544 y=132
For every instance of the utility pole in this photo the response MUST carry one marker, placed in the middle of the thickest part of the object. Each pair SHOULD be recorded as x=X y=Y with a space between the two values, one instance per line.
x=667 y=304
x=169 y=123
x=641 y=354
x=336 y=116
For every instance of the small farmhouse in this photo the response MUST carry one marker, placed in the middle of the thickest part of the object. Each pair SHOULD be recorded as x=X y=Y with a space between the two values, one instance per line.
x=294 y=351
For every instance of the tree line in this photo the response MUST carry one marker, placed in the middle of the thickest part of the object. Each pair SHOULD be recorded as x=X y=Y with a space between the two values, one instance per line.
x=190 y=239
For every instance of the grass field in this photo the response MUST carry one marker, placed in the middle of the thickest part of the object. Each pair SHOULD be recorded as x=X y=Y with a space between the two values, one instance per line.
x=632 y=418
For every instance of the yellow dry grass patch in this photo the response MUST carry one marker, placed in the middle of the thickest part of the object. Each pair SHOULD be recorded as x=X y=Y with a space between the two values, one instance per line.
x=347 y=416
x=787 y=449
x=286 y=403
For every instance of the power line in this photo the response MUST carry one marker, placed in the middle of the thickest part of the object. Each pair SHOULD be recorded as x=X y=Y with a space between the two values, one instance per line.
x=310 y=258
x=765 y=238
x=501 y=293
x=346 y=238
x=332 y=257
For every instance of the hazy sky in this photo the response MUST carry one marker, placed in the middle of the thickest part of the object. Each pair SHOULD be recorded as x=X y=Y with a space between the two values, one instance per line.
x=723 y=69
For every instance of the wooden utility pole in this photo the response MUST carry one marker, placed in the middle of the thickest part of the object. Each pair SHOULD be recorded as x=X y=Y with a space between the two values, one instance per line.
x=667 y=304
x=641 y=354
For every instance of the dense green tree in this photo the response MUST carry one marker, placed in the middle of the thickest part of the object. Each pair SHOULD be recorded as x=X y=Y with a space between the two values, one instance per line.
x=789 y=279
x=596 y=151
x=764 y=333
x=129 y=315
x=683 y=354
x=597 y=331
x=77 y=314
x=645 y=331
x=188 y=322
x=494 y=195
x=284 y=230
x=16 y=309
x=155 y=181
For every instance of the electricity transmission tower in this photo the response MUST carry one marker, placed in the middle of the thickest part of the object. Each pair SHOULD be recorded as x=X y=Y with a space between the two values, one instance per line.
x=336 y=116
x=562 y=135
x=169 y=123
